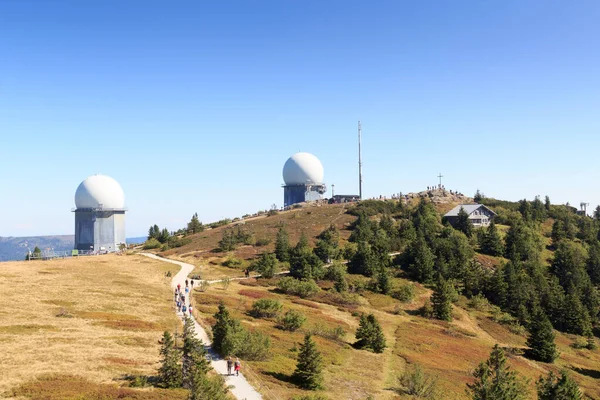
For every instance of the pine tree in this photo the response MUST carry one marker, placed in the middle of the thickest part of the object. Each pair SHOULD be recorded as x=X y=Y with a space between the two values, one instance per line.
x=164 y=235
x=441 y=299
x=195 y=226
x=541 y=338
x=170 y=370
x=369 y=334
x=495 y=381
x=491 y=242
x=384 y=285
x=420 y=261
x=575 y=317
x=282 y=245
x=558 y=388
x=363 y=260
x=327 y=246
x=463 y=223
x=194 y=354
x=266 y=265
x=309 y=369
x=547 y=203
x=219 y=329
x=205 y=388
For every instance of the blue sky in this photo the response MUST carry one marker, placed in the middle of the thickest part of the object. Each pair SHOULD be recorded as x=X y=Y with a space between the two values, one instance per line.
x=195 y=106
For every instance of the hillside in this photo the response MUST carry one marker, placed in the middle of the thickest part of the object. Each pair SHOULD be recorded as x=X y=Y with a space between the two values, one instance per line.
x=15 y=248
x=123 y=302
x=448 y=350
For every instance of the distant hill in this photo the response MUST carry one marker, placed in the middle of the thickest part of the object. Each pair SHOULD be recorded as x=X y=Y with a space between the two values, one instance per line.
x=15 y=248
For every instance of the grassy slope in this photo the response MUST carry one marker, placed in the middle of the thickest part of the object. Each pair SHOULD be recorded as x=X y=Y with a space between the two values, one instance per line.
x=311 y=220
x=119 y=306
x=451 y=351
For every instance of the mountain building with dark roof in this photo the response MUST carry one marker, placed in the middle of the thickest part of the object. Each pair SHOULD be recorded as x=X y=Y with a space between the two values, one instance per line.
x=479 y=214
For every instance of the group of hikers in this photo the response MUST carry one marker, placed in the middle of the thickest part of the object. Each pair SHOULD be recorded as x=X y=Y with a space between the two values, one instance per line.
x=180 y=297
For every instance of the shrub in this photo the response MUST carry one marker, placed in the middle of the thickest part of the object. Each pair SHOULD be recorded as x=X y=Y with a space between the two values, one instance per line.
x=310 y=397
x=262 y=242
x=417 y=383
x=267 y=265
x=427 y=310
x=151 y=244
x=479 y=302
x=253 y=346
x=405 y=293
x=265 y=308
x=225 y=283
x=232 y=262
x=335 y=334
x=292 y=321
x=297 y=287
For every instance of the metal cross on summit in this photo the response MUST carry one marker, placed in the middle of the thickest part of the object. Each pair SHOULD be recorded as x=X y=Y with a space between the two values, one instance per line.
x=440 y=176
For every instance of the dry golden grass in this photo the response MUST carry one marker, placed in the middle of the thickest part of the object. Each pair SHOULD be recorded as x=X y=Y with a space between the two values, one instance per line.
x=112 y=310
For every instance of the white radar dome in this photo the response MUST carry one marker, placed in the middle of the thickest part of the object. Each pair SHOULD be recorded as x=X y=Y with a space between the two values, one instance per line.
x=303 y=168
x=99 y=191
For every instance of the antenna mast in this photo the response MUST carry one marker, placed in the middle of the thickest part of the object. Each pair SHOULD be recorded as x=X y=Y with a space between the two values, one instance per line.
x=360 y=180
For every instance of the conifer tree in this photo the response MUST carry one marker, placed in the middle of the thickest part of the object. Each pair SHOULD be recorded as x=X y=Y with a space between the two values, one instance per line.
x=420 y=261
x=219 y=329
x=463 y=223
x=327 y=246
x=369 y=334
x=195 y=226
x=194 y=355
x=541 y=338
x=340 y=284
x=282 y=245
x=491 y=243
x=164 y=235
x=384 y=285
x=575 y=317
x=547 y=203
x=205 y=388
x=309 y=369
x=558 y=388
x=441 y=299
x=266 y=265
x=170 y=370
x=495 y=381
x=363 y=261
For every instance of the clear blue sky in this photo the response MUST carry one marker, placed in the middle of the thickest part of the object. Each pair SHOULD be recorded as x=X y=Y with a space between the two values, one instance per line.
x=195 y=106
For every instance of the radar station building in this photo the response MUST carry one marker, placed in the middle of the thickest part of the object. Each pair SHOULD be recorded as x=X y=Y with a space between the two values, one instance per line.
x=99 y=215
x=303 y=177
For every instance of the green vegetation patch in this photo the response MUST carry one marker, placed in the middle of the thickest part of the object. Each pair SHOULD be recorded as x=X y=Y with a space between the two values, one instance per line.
x=26 y=329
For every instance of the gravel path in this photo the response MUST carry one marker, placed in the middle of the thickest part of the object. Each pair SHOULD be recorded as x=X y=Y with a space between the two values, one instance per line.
x=242 y=390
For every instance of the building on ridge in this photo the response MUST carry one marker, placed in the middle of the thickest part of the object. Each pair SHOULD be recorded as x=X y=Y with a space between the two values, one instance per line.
x=478 y=214
x=99 y=215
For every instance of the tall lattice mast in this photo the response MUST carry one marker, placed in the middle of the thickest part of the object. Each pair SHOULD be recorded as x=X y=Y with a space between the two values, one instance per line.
x=360 y=180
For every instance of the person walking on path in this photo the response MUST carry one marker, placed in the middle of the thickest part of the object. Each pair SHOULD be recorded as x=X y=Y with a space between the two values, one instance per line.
x=192 y=283
x=186 y=283
x=184 y=309
x=179 y=287
x=238 y=366
x=187 y=290
x=229 y=365
x=190 y=310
